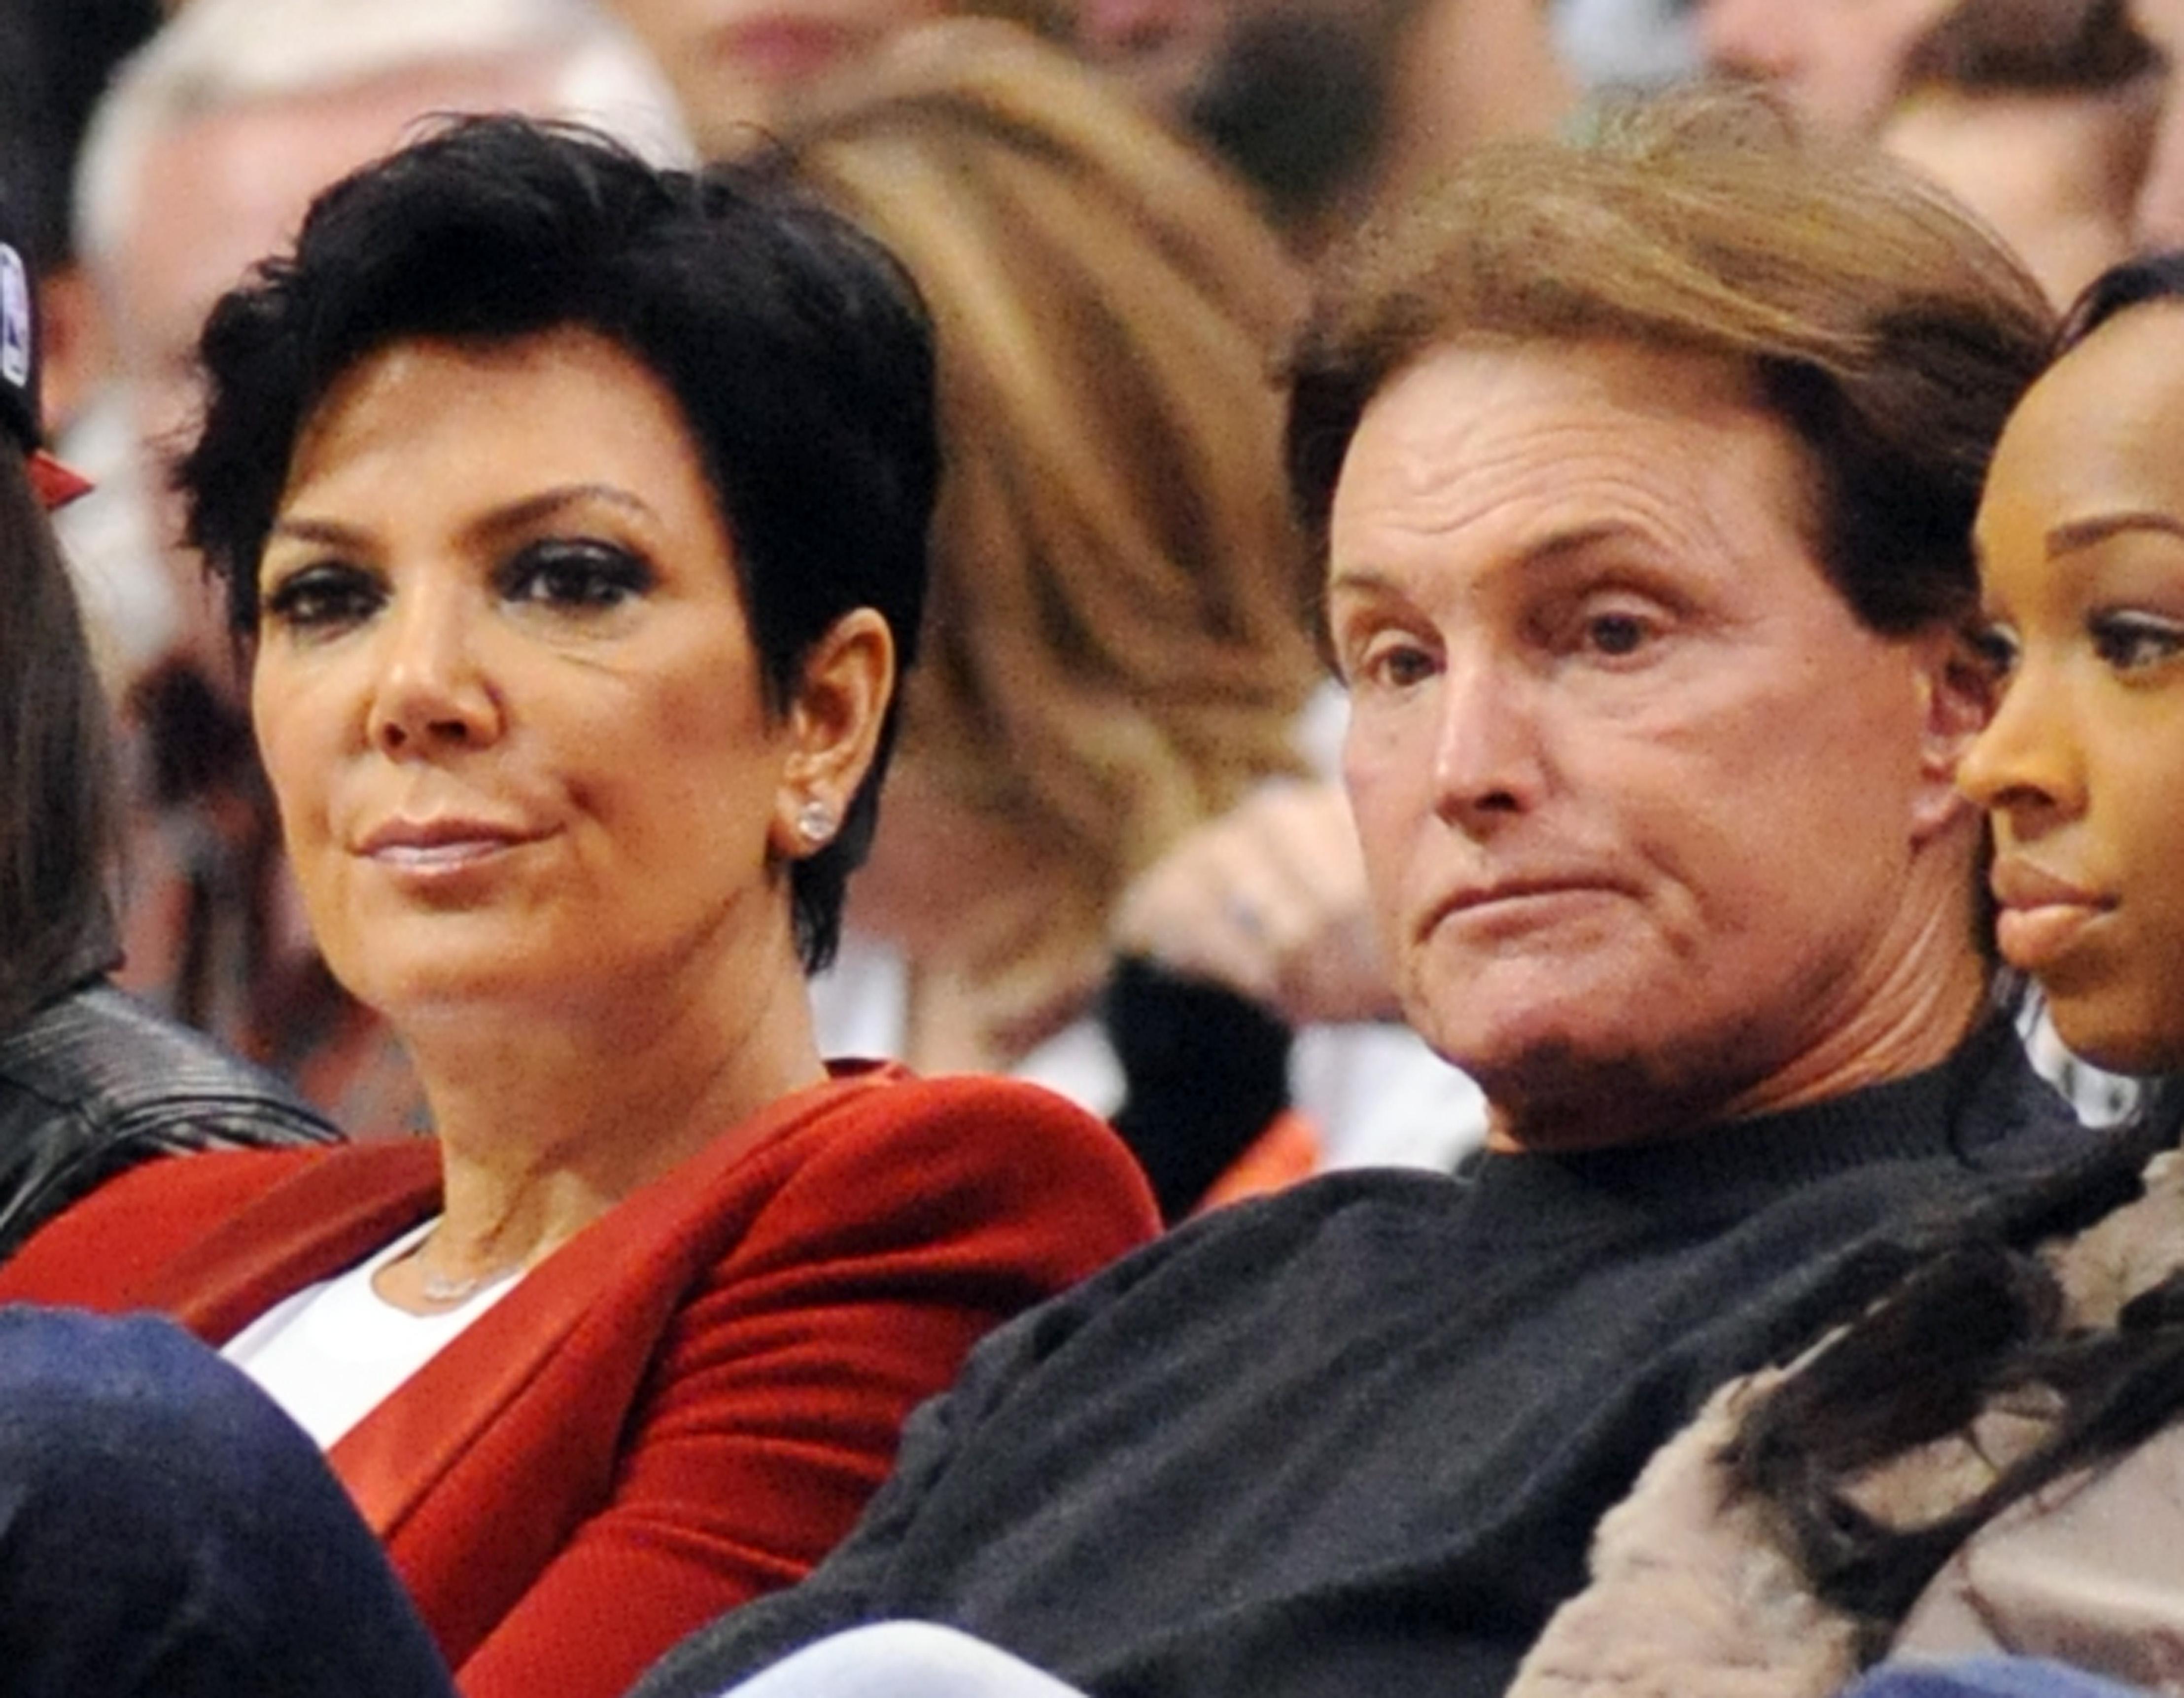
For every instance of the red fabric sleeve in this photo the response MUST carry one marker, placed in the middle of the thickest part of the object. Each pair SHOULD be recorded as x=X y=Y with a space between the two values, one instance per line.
x=98 y=1252
x=771 y=1411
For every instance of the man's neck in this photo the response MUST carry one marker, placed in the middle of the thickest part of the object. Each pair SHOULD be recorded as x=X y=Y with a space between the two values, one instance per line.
x=1917 y=1025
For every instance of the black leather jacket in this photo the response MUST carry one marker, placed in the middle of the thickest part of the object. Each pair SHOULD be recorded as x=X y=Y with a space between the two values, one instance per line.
x=96 y=1082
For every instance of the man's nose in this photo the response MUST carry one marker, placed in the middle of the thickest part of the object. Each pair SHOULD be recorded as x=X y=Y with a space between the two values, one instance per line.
x=1486 y=750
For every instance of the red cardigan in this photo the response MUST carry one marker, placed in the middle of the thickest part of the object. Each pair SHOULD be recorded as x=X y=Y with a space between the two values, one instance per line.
x=687 y=1404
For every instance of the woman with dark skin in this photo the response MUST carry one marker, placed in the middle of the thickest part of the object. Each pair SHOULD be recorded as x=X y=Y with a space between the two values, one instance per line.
x=1987 y=1463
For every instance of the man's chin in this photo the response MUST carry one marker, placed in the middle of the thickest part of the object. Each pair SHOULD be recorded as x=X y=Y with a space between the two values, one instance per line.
x=1580 y=1102
x=1562 y=1080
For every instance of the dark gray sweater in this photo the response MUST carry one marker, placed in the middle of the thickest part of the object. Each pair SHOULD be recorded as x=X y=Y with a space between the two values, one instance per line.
x=1353 y=1440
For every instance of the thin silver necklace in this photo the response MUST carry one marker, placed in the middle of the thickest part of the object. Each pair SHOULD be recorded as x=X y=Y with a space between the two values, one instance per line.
x=440 y=1288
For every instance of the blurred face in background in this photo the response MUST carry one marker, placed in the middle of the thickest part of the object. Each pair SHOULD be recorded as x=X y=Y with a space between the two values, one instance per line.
x=2158 y=220
x=1316 y=100
x=220 y=192
x=2053 y=172
x=1836 y=63
x=735 y=64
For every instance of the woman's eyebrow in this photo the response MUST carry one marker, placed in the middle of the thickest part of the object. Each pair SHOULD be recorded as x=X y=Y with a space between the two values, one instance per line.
x=515 y=516
x=519 y=515
x=2080 y=533
x=304 y=529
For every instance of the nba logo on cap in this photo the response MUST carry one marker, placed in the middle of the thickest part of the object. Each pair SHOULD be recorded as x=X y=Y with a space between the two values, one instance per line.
x=14 y=319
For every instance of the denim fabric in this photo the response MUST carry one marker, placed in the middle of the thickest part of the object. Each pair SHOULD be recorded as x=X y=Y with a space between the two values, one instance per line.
x=1986 y=1677
x=165 y=1529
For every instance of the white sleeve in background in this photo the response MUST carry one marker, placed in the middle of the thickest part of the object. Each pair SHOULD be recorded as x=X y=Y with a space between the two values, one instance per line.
x=901 y=1660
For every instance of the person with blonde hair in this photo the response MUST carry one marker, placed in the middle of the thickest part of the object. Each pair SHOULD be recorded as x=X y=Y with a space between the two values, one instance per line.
x=1117 y=645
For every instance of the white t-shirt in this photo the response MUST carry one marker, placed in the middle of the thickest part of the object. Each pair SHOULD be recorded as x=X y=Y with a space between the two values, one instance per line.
x=332 y=1353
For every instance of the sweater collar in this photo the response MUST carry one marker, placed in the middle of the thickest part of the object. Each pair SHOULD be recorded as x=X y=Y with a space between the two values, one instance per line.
x=1982 y=1108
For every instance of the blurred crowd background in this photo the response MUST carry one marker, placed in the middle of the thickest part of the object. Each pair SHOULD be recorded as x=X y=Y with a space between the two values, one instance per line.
x=1117 y=759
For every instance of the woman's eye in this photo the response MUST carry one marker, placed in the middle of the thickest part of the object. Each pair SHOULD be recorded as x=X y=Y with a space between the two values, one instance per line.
x=1996 y=645
x=580 y=576
x=321 y=598
x=2128 y=642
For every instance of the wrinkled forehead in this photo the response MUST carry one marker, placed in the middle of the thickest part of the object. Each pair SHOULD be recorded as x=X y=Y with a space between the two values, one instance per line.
x=1478 y=453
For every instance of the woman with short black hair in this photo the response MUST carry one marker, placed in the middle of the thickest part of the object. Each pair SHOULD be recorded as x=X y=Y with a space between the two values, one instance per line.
x=571 y=515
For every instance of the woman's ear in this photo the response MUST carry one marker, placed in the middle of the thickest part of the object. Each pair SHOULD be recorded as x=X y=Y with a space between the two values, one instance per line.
x=833 y=722
x=1955 y=696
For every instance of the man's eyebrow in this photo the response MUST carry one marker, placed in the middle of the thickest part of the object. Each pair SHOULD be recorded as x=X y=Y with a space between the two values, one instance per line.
x=1550 y=549
x=2078 y=534
x=1362 y=580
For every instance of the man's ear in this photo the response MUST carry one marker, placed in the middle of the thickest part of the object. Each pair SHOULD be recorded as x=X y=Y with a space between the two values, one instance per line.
x=834 y=720
x=1956 y=694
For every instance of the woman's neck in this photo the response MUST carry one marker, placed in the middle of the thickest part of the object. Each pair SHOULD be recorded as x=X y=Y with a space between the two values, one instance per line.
x=546 y=1119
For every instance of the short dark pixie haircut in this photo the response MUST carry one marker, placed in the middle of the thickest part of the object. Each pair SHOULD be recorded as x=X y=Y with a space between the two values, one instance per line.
x=1889 y=332
x=799 y=351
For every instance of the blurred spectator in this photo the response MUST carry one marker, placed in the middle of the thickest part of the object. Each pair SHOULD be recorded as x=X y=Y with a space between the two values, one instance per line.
x=2037 y=115
x=1116 y=643
x=54 y=63
x=1324 y=104
x=1836 y=63
x=199 y=161
x=2158 y=217
x=1116 y=647
x=740 y=67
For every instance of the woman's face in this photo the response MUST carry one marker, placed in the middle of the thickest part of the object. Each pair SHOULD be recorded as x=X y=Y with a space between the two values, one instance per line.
x=2080 y=536
x=507 y=694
